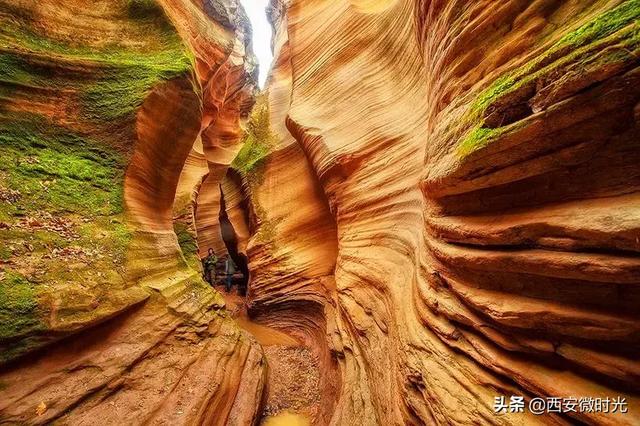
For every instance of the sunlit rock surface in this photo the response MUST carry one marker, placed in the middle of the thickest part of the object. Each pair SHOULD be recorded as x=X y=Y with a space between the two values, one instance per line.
x=451 y=204
x=437 y=200
x=101 y=106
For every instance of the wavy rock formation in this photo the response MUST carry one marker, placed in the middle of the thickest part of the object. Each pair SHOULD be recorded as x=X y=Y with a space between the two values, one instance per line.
x=101 y=107
x=451 y=202
x=438 y=201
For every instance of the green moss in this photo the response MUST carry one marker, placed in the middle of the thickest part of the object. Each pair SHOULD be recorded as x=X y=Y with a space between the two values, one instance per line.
x=186 y=239
x=15 y=70
x=119 y=238
x=623 y=18
x=76 y=178
x=604 y=25
x=48 y=240
x=126 y=83
x=252 y=154
x=16 y=349
x=107 y=232
x=267 y=231
x=258 y=141
x=19 y=312
x=5 y=253
x=477 y=138
x=121 y=75
x=59 y=171
x=80 y=182
x=488 y=96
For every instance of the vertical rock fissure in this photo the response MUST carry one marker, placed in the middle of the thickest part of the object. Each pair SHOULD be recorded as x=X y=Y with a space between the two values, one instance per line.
x=230 y=239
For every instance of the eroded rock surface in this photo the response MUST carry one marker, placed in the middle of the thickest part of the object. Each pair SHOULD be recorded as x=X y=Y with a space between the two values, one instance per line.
x=438 y=200
x=452 y=204
x=109 y=101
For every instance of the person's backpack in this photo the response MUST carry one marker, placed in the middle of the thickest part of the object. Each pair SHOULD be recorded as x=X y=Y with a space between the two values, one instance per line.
x=210 y=261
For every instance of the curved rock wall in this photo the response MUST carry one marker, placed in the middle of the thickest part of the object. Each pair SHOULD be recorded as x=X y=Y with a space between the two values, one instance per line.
x=437 y=197
x=479 y=162
x=529 y=195
x=108 y=100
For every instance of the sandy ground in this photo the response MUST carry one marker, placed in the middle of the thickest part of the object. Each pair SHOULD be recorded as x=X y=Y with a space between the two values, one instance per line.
x=293 y=394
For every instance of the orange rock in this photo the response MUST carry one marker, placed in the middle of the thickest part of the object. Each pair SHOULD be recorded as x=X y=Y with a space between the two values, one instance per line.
x=480 y=163
x=446 y=211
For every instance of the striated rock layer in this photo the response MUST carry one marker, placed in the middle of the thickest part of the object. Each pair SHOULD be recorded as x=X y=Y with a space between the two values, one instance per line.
x=101 y=106
x=438 y=200
x=448 y=206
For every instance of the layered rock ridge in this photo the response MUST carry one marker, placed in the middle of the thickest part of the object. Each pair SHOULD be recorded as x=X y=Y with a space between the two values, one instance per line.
x=109 y=101
x=437 y=198
x=531 y=231
x=478 y=165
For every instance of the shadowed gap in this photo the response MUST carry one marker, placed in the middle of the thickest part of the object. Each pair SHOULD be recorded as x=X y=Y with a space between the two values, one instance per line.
x=231 y=243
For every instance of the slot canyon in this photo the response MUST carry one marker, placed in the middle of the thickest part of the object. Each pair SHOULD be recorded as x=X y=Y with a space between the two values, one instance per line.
x=433 y=204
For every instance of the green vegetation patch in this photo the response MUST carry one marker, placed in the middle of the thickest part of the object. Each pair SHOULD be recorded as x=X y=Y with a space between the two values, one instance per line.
x=19 y=311
x=477 y=138
x=15 y=69
x=186 y=239
x=113 y=79
x=625 y=17
x=5 y=253
x=604 y=25
x=108 y=232
x=61 y=191
x=126 y=82
x=258 y=141
x=57 y=171
x=61 y=208
x=188 y=244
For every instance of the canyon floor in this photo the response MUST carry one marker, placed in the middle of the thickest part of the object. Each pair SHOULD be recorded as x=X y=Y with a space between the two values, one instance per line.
x=293 y=392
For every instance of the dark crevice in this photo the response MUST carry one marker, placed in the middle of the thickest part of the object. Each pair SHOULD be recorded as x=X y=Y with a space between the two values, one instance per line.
x=526 y=246
x=500 y=117
x=231 y=242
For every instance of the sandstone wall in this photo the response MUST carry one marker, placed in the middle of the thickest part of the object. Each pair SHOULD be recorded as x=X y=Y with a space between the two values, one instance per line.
x=109 y=100
x=437 y=197
x=479 y=162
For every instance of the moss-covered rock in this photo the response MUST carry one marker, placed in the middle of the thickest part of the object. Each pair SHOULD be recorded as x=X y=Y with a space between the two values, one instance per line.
x=188 y=244
x=258 y=143
x=580 y=50
x=112 y=80
x=259 y=140
x=19 y=311
x=68 y=103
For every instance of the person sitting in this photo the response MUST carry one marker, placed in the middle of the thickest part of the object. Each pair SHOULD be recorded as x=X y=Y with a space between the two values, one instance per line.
x=229 y=270
x=209 y=267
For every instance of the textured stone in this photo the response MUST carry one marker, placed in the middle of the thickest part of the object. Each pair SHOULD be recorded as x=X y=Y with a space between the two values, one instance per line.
x=479 y=161
x=437 y=198
x=159 y=84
